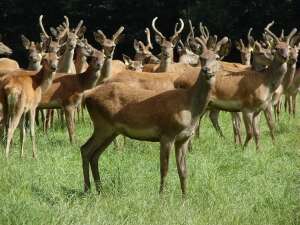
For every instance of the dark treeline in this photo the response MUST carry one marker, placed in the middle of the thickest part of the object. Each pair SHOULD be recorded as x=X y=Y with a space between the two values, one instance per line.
x=223 y=17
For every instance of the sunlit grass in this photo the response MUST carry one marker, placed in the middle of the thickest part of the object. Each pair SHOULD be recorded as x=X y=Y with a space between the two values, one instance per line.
x=226 y=185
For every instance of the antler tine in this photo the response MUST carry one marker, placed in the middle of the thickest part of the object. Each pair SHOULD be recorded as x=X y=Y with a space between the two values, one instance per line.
x=119 y=31
x=282 y=34
x=147 y=31
x=66 y=25
x=42 y=27
x=204 y=32
x=249 y=34
x=267 y=30
x=155 y=29
x=292 y=33
x=175 y=28
x=78 y=26
x=191 y=29
x=181 y=43
x=141 y=44
x=177 y=32
x=242 y=43
x=199 y=40
x=220 y=43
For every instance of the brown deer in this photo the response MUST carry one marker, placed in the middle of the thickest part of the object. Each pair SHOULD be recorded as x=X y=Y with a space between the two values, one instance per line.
x=135 y=65
x=6 y=64
x=66 y=91
x=20 y=95
x=249 y=91
x=35 y=53
x=116 y=108
x=143 y=52
x=292 y=92
x=246 y=50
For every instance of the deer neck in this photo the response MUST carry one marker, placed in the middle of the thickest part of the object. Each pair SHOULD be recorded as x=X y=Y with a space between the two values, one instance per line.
x=44 y=79
x=165 y=64
x=106 y=71
x=289 y=76
x=80 y=62
x=66 y=61
x=89 y=78
x=200 y=94
x=276 y=72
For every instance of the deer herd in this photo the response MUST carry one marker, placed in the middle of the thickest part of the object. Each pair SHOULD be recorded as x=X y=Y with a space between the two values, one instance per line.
x=148 y=98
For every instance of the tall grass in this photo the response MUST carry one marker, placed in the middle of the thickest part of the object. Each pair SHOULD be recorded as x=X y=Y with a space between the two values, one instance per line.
x=226 y=185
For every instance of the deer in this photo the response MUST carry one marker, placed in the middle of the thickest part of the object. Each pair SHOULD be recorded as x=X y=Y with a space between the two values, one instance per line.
x=66 y=90
x=143 y=52
x=167 y=48
x=117 y=108
x=292 y=91
x=35 y=53
x=135 y=65
x=186 y=55
x=20 y=95
x=246 y=50
x=6 y=64
x=110 y=66
x=250 y=91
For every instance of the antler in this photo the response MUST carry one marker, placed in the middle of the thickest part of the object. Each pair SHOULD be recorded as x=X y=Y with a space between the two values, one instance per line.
x=250 y=38
x=267 y=30
x=78 y=27
x=220 y=43
x=42 y=27
x=177 y=32
x=199 y=40
x=191 y=29
x=147 y=31
x=66 y=25
x=292 y=33
x=204 y=32
x=155 y=29
x=117 y=34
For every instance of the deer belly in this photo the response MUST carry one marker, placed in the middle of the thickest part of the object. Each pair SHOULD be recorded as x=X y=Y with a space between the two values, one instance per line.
x=233 y=105
x=140 y=133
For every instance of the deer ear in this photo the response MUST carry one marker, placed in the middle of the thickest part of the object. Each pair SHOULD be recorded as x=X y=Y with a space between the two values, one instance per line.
x=225 y=49
x=126 y=60
x=159 y=40
x=25 y=42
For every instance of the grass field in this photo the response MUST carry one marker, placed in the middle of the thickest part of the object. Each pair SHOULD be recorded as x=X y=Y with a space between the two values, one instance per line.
x=226 y=185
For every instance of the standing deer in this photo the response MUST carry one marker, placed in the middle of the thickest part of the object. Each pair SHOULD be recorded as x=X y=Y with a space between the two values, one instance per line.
x=20 y=95
x=35 y=53
x=6 y=64
x=143 y=52
x=135 y=65
x=117 y=108
x=246 y=50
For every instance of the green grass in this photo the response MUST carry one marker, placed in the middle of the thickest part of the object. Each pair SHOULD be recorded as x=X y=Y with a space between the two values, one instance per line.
x=226 y=185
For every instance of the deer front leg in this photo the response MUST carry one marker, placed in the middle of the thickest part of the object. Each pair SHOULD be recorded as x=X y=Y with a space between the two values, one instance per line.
x=256 y=131
x=32 y=131
x=22 y=134
x=214 y=118
x=236 y=124
x=181 y=149
x=270 y=121
x=69 y=113
x=248 y=125
x=165 y=148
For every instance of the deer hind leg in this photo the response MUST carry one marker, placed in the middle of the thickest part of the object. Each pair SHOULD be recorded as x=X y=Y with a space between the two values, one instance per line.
x=294 y=104
x=236 y=124
x=270 y=121
x=256 y=131
x=214 y=116
x=47 y=121
x=69 y=113
x=13 y=122
x=22 y=134
x=165 y=148
x=181 y=149
x=95 y=159
x=248 y=125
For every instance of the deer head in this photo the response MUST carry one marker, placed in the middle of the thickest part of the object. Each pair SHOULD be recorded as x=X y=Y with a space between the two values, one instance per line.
x=53 y=44
x=210 y=57
x=167 y=46
x=35 y=52
x=262 y=57
x=4 y=49
x=84 y=48
x=281 y=48
x=108 y=45
x=96 y=60
x=49 y=61
x=246 y=50
x=143 y=52
x=135 y=65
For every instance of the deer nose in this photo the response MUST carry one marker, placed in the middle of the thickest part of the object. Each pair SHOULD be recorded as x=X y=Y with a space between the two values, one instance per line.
x=53 y=66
